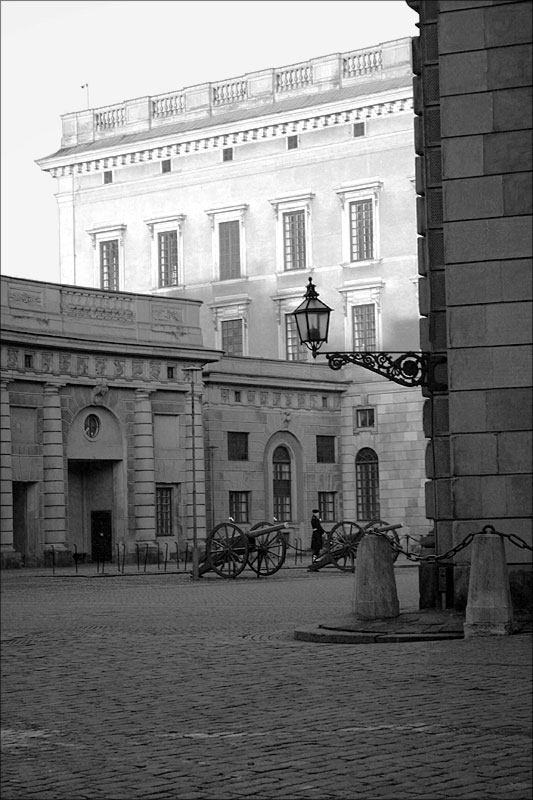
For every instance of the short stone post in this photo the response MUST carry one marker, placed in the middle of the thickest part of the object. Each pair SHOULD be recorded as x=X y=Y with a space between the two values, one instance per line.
x=375 y=595
x=489 y=611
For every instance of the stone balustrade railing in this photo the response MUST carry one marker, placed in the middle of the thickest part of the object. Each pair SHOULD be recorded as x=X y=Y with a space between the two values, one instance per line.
x=229 y=92
x=167 y=105
x=294 y=77
x=320 y=74
x=111 y=117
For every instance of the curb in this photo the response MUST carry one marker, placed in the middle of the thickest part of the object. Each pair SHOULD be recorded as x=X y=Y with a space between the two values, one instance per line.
x=318 y=633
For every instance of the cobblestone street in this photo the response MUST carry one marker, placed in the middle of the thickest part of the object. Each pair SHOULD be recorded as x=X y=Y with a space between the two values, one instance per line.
x=152 y=686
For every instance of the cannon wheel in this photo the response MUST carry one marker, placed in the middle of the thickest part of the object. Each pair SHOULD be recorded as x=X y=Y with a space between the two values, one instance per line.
x=267 y=550
x=392 y=535
x=227 y=550
x=342 y=543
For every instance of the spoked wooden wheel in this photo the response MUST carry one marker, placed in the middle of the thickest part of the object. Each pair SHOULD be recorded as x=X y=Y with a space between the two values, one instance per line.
x=267 y=550
x=227 y=550
x=342 y=543
x=392 y=535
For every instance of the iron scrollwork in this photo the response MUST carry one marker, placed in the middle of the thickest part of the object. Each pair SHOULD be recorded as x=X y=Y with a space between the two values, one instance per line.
x=408 y=369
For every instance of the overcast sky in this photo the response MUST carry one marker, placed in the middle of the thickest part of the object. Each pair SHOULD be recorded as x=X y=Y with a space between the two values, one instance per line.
x=131 y=48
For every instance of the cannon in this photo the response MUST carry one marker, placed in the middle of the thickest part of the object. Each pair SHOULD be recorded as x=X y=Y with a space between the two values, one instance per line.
x=342 y=541
x=229 y=549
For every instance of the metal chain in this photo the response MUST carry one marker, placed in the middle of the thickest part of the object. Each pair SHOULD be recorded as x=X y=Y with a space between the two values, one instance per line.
x=516 y=540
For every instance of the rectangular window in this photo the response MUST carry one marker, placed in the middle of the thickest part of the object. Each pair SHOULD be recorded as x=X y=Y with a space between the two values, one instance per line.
x=367 y=487
x=163 y=511
x=170 y=373
x=364 y=327
x=167 y=257
x=227 y=154
x=294 y=350
x=326 y=506
x=166 y=165
x=109 y=265
x=294 y=240
x=364 y=417
x=108 y=176
x=358 y=129
x=292 y=142
x=361 y=230
x=232 y=339
x=28 y=361
x=239 y=506
x=229 y=244
x=237 y=446
x=325 y=449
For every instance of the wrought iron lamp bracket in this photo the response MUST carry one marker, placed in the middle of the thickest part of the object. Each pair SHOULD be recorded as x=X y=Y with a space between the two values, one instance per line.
x=408 y=369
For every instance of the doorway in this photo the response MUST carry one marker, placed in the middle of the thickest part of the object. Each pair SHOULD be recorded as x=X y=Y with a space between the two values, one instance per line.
x=101 y=535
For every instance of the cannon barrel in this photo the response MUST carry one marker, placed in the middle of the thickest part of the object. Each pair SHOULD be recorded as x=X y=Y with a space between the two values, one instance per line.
x=378 y=529
x=267 y=529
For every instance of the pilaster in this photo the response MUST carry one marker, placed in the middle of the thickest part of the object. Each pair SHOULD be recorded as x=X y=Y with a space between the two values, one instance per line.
x=6 y=473
x=144 y=481
x=54 y=470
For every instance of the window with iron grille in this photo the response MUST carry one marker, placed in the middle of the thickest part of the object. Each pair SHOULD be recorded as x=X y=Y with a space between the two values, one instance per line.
x=281 y=463
x=325 y=449
x=108 y=176
x=361 y=230
x=229 y=249
x=163 y=511
x=239 y=506
x=166 y=165
x=326 y=506
x=358 y=129
x=293 y=349
x=364 y=327
x=237 y=446
x=109 y=265
x=232 y=340
x=167 y=256
x=227 y=154
x=367 y=484
x=294 y=240
x=364 y=418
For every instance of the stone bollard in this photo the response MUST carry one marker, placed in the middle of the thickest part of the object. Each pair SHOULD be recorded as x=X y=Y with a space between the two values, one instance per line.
x=489 y=611
x=375 y=595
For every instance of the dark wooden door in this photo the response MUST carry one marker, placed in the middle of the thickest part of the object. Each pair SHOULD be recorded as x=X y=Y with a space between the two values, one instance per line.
x=101 y=535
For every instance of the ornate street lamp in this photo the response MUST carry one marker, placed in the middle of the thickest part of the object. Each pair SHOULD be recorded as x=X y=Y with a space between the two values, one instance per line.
x=408 y=369
x=312 y=320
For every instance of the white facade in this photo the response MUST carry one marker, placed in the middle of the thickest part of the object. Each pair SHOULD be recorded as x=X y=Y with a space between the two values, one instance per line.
x=233 y=194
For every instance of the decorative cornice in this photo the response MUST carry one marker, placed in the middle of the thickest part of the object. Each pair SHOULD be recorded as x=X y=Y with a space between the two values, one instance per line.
x=174 y=219
x=242 y=136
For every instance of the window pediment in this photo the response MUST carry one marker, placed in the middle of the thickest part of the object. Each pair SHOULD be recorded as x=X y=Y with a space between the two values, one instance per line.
x=107 y=232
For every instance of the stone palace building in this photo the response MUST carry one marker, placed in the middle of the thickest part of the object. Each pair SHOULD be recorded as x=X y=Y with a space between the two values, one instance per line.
x=189 y=224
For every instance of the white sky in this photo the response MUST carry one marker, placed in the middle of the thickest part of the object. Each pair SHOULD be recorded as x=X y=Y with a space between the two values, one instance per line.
x=132 y=48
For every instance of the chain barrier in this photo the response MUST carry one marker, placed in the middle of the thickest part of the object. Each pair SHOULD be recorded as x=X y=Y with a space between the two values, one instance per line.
x=516 y=540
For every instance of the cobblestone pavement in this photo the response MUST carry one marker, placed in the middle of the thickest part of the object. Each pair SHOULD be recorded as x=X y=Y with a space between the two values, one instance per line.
x=154 y=686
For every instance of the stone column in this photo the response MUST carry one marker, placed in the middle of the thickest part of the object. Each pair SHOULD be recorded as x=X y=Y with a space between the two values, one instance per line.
x=375 y=594
x=489 y=610
x=144 y=480
x=6 y=474
x=55 y=509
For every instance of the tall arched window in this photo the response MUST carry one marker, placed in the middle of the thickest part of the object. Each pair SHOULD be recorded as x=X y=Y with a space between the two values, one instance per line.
x=367 y=482
x=281 y=462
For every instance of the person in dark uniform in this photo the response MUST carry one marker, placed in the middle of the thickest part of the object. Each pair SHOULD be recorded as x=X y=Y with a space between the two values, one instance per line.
x=316 y=538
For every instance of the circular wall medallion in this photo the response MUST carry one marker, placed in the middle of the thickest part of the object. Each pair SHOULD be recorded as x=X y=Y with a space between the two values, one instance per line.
x=91 y=426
